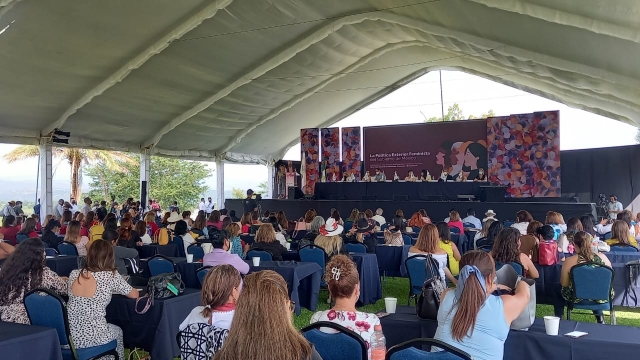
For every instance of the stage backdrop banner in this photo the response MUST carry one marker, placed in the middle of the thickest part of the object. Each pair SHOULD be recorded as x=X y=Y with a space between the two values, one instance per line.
x=452 y=146
x=330 y=150
x=524 y=154
x=309 y=169
x=351 y=150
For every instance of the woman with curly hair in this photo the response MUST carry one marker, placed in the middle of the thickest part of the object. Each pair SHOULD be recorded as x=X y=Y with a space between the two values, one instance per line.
x=25 y=270
x=343 y=281
x=506 y=249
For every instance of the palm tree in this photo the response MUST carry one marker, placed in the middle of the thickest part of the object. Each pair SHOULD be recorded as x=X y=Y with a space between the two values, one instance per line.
x=77 y=158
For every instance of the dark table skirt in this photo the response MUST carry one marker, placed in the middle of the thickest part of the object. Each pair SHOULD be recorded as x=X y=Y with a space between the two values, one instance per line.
x=19 y=341
x=303 y=280
x=391 y=259
x=63 y=265
x=155 y=331
x=370 y=287
x=602 y=342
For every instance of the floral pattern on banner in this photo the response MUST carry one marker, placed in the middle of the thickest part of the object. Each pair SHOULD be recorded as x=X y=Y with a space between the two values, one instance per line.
x=330 y=149
x=524 y=153
x=310 y=159
x=361 y=323
x=351 y=150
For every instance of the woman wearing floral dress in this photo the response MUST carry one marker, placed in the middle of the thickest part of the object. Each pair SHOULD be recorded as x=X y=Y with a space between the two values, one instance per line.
x=90 y=290
x=344 y=286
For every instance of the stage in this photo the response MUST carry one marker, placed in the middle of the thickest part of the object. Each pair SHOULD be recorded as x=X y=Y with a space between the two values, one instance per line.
x=437 y=210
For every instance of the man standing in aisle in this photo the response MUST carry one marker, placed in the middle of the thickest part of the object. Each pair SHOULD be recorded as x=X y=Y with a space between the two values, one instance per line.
x=210 y=207
x=18 y=209
x=615 y=207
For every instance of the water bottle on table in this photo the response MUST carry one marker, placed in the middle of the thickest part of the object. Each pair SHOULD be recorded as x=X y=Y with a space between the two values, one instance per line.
x=377 y=345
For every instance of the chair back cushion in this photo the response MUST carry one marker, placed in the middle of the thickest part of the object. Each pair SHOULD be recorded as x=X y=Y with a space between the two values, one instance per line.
x=196 y=251
x=357 y=248
x=413 y=353
x=338 y=343
x=417 y=270
x=313 y=254
x=622 y=248
x=160 y=265
x=407 y=239
x=591 y=281
x=66 y=248
x=201 y=273
x=263 y=255
x=47 y=309
x=454 y=230
x=50 y=252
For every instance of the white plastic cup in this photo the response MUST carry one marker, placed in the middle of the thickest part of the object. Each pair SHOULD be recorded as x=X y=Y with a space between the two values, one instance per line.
x=551 y=325
x=189 y=258
x=287 y=246
x=390 y=305
x=256 y=261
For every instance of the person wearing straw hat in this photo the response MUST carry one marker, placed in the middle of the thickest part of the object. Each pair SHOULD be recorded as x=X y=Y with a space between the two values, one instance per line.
x=361 y=233
x=489 y=215
x=172 y=220
x=330 y=238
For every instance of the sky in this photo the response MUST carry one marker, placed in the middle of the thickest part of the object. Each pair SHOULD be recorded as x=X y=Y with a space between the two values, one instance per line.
x=412 y=103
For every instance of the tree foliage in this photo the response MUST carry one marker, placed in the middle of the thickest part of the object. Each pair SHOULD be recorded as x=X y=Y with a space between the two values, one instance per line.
x=78 y=159
x=169 y=180
x=237 y=193
x=454 y=112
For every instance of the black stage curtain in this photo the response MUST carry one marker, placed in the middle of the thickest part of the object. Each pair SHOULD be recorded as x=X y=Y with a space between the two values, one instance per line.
x=587 y=173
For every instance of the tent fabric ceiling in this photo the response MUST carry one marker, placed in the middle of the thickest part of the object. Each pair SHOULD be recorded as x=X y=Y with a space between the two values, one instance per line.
x=237 y=79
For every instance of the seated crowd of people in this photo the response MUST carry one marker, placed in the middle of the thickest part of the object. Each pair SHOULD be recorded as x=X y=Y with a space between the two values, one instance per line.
x=233 y=306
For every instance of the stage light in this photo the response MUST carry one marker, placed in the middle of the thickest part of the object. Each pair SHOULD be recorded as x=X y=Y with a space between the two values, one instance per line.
x=59 y=141
x=61 y=133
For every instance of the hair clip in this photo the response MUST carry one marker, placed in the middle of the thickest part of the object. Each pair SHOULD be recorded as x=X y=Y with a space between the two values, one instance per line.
x=335 y=273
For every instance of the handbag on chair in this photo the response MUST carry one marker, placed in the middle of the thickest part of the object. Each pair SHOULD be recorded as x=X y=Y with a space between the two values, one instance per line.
x=161 y=286
x=429 y=299
x=507 y=276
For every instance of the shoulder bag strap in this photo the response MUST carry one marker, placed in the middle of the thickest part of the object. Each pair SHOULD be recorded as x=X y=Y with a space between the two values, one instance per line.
x=147 y=305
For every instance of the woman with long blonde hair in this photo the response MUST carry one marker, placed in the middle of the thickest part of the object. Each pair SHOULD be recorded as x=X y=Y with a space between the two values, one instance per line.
x=428 y=243
x=330 y=238
x=266 y=240
x=264 y=304
x=73 y=236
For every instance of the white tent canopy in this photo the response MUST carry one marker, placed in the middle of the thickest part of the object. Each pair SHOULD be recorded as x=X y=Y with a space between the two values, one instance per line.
x=235 y=80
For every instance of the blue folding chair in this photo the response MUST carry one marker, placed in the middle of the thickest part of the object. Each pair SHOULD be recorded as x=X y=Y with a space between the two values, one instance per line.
x=468 y=225
x=21 y=237
x=45 y=308
x=594 y=282
x=316 y=254
x=197 y=251
x=384 y=227
x=348 y=225
x=607 y=236
x=180 y=244
x=454 y=230
x=356 y=248
x=50 y=252
x=67 y=248
x=160 y=264
x=407 y=239
x=623 y=248
x=516 y=266
x=407 y=351
x=484 y=244
x=264 y=255
x=417 y=270
x=508 y=223
x=339 y=344
x=201 y=273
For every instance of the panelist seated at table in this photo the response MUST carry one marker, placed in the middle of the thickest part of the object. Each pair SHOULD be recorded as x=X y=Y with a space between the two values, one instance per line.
x=428 y=243
x=220 y=256
x=205 y=329
x=266 y=240
x=425 y=176
x=411 y=177
x=584 y=253
x=473 y=320
x=265 y=305
x=343 y=281
x=90 y=290
x=380 y=176
x=366 y=177
x=481 y=177
x=25 y=270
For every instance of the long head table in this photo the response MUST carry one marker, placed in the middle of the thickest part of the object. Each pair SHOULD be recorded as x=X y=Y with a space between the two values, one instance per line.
x=602 y=342
x=387 y=190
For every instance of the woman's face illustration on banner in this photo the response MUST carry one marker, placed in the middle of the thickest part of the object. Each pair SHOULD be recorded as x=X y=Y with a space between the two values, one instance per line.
x=440 y=158
x=470 y=160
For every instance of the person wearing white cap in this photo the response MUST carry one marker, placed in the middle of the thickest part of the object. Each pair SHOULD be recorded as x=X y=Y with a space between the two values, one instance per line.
x=330 y=238
x=489 y=215
x=172 y=220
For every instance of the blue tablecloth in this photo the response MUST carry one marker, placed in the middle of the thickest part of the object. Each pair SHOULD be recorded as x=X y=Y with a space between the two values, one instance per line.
x=391 y=259
x=19 y=341
x=154 y=331
x=370 y=287
x=147 y=251
x=602 y=341
x=62 y=264
x=303 y=280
